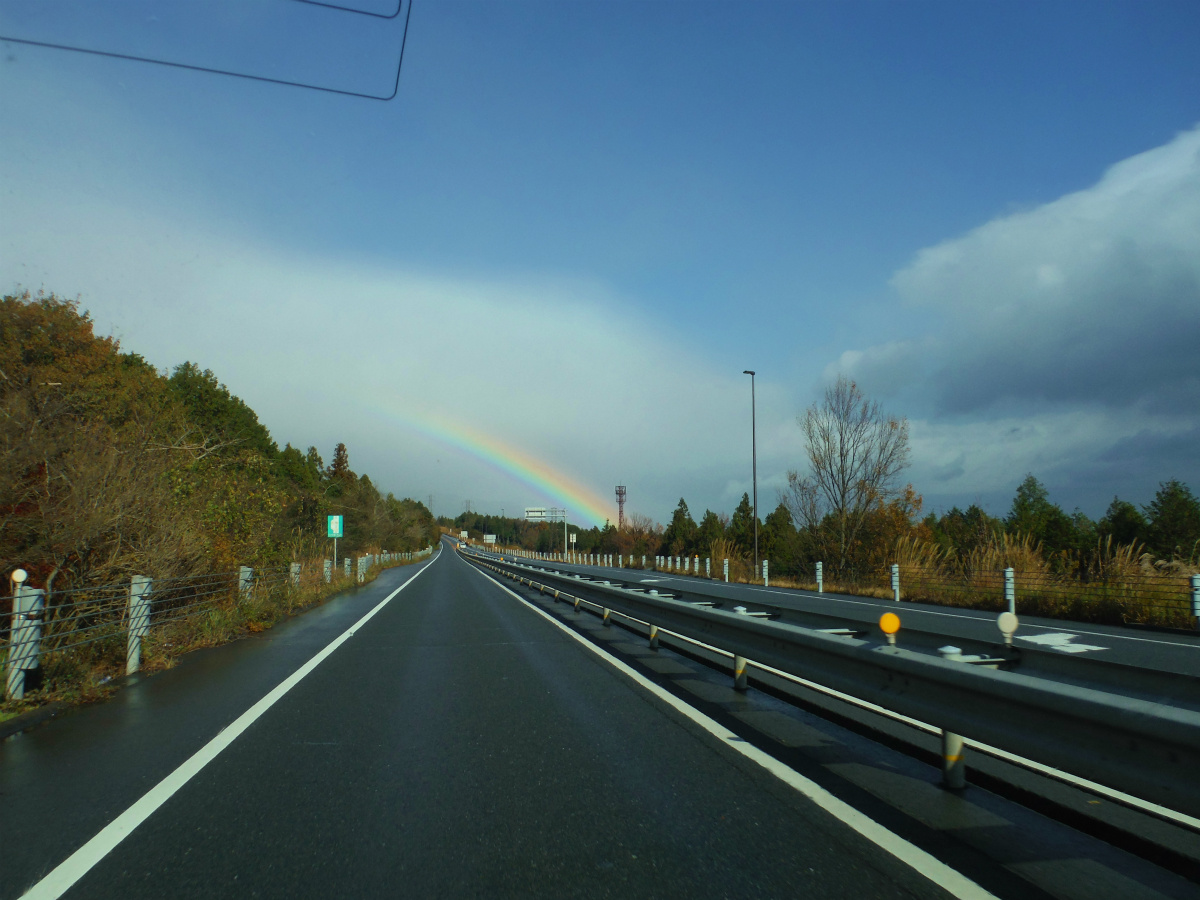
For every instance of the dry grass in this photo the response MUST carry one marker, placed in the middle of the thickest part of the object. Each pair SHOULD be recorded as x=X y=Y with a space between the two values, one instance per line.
x=1113 y=584
x=1110 y=585
x=87 y=673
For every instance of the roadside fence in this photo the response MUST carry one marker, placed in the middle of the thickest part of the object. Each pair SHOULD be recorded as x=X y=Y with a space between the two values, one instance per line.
x=81 y=619
x=1163 y=599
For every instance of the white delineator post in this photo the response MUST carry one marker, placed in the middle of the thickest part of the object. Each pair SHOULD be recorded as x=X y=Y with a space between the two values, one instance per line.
x=896 y=582
x=25 y=637
x=139 y=621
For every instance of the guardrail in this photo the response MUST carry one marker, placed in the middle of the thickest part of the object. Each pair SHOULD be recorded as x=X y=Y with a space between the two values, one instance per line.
x=1152 y=597
x=75 y=619
x=1148 y=750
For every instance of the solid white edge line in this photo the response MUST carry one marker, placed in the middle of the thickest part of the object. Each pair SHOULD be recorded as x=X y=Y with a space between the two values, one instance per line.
x=79 y=863
x=906 y=852
x=1093 y=787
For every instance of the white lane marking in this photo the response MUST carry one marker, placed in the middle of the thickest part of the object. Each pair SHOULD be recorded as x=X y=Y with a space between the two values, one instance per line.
x=1185 y=645
x=948 y=615
x=1059 y=640
x=79 y=863
x=1049 y=771
x=923 y=863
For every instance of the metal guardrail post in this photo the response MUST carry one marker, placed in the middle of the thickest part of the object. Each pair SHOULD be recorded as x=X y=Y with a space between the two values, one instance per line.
x=1010 y=591
x=605 y=620
x=739 y=673
x=346 y=567
x=139 y=621
x=726 y=567
x=245 y=581
x=1147 y=749
x=328 y=571
x=25 y=638
x=820 y=579
x=653 y=637
x=954 y=766
x=896 y=582
x=294 y=572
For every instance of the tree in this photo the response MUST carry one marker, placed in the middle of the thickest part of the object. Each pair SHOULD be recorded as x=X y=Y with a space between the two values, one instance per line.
x=1123 y=522
x=1173 y=520
x=855 y=454
x=711 y=529
x=217 y=414
x=1033 y=514
x=741 y=525
x=680 y=535
x=779 y=540
x=959 y=533
x=339 y=469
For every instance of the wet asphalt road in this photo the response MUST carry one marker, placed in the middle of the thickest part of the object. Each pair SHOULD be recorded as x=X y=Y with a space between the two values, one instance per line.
x=458 y=745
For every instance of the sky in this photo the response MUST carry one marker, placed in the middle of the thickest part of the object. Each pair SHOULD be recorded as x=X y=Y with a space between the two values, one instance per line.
x=540 y=269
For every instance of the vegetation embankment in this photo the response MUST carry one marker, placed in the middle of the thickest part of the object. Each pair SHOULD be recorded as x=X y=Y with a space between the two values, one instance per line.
x=111 y=469
x=78 y=669
x=850 y=512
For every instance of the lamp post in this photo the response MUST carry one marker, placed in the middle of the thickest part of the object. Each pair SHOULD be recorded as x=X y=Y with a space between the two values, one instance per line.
x=754 y=462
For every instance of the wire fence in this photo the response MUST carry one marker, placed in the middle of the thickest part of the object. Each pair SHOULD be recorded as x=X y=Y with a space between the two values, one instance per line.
x=1141 y=597
x=110 y=621
x=1147 y=598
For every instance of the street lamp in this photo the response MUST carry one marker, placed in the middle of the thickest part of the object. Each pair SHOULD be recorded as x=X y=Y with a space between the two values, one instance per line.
x=754 y=462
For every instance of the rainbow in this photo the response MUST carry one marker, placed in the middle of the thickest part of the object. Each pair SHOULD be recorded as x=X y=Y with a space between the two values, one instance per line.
x=581 y=501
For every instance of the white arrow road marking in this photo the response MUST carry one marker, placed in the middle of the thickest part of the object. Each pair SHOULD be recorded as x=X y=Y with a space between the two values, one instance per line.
x=1060 y=640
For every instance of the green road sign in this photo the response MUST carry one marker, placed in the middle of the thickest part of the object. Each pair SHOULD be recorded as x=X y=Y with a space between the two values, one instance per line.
x=334 y=524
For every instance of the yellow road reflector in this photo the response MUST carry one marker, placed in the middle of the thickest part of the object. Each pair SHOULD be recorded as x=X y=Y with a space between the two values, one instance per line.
x=889 y=623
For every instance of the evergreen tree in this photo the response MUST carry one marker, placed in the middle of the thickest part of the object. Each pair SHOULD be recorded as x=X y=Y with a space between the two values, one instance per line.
x=339 y=469
x=710 y=530
x=1173 y=526
x=1032 y=513
x=218 y=414
x=680 y=536
x=741 y=525
x=779 y=541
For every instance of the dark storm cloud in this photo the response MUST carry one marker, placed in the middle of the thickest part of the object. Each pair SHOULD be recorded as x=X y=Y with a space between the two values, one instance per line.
x=1082 y=316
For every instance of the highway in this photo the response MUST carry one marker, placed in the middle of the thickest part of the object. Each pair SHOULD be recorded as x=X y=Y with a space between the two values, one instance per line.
x=435 y=733
x=1147 y=664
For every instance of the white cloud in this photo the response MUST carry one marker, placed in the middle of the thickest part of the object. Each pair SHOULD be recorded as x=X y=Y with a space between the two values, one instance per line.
x=1066 y=330
x=1092 y=298
x=330 y=350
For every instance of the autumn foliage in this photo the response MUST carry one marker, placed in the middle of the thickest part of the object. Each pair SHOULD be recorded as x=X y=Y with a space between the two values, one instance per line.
x=109 y=468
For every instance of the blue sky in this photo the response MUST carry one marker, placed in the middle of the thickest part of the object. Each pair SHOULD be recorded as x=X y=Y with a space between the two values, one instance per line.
x=577 y=223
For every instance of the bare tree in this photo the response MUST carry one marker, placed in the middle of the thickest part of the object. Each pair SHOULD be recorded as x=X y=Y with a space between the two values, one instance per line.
x=855 y=453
